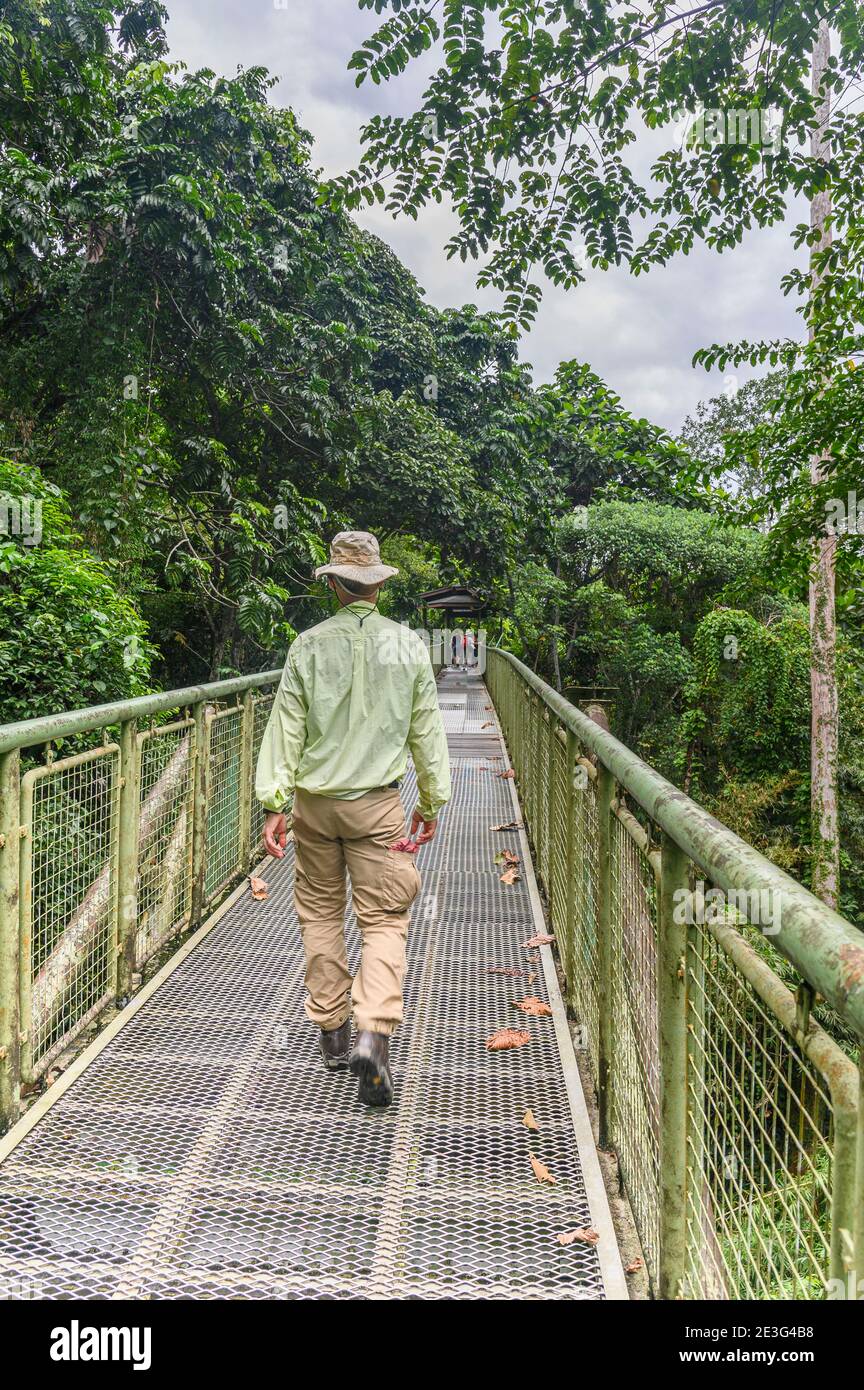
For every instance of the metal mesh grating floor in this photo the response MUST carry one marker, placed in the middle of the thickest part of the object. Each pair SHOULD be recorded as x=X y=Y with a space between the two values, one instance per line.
x=203 y=1152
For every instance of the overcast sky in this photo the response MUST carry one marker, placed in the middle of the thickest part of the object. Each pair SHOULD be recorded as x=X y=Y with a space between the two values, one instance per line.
x=638 y=334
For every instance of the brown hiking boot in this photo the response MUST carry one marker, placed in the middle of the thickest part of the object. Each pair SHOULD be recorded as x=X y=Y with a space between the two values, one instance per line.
x=335 y=1046
x=370 y=1063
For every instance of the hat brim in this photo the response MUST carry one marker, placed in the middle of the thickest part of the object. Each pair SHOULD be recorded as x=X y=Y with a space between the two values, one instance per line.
x=360 y=574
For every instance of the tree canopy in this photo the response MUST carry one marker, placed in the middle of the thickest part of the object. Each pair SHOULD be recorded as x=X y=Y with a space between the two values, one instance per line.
x=527 y=126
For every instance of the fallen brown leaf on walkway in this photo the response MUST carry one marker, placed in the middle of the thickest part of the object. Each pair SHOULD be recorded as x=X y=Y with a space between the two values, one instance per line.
x=508 y=773
x=509 y=857
x=504 y=970
x=632 y=1268
x=539 y=941
x=510 y=875
x=541 y=1172
x=532 y=977
x=528 y=1120
x=259 y=887
x=584 y=1233
x=507 y=825
x=532 y=1005
x=490 y=724
x=506 y=1038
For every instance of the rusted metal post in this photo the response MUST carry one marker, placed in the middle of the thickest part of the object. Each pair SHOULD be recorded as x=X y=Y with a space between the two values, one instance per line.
x=129 y=814
x=672 y=1008
x=605 y=954
x=10 y=1022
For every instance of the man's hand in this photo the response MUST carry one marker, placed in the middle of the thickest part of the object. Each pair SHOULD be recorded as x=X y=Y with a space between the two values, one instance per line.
x=275 y=834
x=429 y=827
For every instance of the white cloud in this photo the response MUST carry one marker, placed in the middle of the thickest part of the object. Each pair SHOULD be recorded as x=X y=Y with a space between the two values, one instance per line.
x=638 y=334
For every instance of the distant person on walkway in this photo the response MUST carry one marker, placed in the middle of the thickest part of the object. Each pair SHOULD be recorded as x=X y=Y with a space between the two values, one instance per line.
x=470 y=649
x=356 y=697
x=456 y=649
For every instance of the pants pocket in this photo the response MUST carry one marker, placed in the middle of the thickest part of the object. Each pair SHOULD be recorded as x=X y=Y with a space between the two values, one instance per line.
x=401 y=881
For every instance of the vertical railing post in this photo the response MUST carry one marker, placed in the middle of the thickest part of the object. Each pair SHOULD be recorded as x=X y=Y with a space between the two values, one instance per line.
x=200 y=796
x=548 y=731
x=10 y=1020
x=697 y=1103
x=570 y=857
x=128 y=827
x=672 y=1008
x=247 y=774
x=605 y=955
x=25 y=932
x=535 y=714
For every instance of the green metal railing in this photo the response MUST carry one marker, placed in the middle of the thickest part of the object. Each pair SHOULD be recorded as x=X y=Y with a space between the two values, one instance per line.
x=111 y=850
x=736 y=1117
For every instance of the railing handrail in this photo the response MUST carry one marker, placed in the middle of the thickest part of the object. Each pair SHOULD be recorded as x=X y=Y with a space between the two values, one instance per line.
x=826 y=949
x=28 y=732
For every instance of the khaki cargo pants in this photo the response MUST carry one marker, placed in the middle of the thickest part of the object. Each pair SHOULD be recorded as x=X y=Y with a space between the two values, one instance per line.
x=331 y=836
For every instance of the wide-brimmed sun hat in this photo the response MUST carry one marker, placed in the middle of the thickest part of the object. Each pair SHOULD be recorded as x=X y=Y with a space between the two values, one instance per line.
x=355 y=555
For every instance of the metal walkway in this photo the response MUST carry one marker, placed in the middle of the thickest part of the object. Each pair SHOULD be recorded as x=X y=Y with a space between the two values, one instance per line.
x=198 y=1149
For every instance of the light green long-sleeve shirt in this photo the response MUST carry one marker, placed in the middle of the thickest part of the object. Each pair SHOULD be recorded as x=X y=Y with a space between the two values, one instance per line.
x=356 y=696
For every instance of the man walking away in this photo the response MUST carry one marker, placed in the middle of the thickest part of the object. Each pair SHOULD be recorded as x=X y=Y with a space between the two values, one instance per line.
x=356 y=697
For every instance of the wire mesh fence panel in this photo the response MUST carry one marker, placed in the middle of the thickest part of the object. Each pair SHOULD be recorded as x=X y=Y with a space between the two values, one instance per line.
x=635 y=1060
x=165 y=835
x=544 y=822
x=559 y=813
x=223 y=798
x=69 y=898
x=532 y=765
x=760 y=1140
x=583 y=976
x=261 y=707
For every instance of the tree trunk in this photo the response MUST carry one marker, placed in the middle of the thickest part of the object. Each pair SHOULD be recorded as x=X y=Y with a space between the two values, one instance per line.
x=520 y=630
x=556 y=619
x=823 y=629
x=224 y=629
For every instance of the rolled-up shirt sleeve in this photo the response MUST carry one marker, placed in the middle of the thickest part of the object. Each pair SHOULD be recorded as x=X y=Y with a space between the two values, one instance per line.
x=427 y=743
x=283 y=742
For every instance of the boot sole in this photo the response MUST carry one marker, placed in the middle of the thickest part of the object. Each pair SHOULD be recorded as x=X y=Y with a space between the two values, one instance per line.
x=375 y=1088
x=335 y=1063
